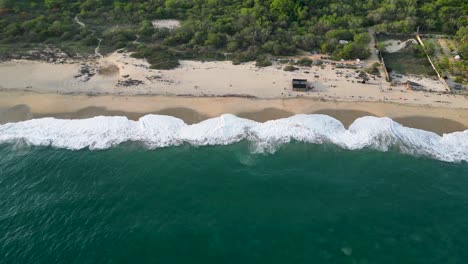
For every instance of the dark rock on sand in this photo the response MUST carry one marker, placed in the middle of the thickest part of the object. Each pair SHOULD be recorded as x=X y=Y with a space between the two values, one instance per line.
x=129 y=82
x=85 y=73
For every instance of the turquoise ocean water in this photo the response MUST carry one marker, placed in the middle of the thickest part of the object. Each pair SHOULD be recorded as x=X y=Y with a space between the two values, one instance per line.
x=305 y=203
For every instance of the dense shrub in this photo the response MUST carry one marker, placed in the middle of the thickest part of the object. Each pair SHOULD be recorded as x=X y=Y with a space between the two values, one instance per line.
x=159 y=57
x=246 y=28
x=263 y=61
x=290 y=68
x=305 y=62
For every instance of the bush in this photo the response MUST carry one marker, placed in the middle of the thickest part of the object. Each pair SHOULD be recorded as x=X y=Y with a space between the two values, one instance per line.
x=263 y=61
x=305 y=62
x=159 y=57
x=276 y=27
x=418 y=51
x=458 y=79
x=339 y=34
x=290 y=68
x=373 y=71
x=318 y=62
x=250 y=55
x=352 y=50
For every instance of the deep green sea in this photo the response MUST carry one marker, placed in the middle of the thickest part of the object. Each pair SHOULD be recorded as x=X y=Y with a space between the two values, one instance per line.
x=303 y=204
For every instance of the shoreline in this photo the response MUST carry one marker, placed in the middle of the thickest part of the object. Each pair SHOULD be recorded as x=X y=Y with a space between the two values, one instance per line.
x=119 y=85
x=19 y=106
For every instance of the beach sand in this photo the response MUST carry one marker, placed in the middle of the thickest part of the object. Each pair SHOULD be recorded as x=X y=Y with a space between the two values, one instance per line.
x=119 y=85
x=120 y=74
x=18 y=106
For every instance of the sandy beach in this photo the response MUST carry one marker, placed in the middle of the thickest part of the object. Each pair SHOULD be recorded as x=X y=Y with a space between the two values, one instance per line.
x=120 y=74
x=18 y=106
x=121 y=85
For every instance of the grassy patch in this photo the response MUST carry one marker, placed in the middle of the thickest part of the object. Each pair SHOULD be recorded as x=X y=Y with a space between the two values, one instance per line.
x=73 y=48
x=159 y=57
x=290 y=68
x=407 y=63
x=305 y=62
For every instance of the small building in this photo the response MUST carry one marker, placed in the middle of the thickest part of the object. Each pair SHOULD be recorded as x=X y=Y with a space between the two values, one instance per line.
x=300 y=85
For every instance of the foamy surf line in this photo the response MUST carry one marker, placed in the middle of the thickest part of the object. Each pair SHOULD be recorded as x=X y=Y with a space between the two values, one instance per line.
x=157 y=131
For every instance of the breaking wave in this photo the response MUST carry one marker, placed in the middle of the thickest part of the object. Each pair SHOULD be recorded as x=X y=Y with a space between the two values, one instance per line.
x=157 y=131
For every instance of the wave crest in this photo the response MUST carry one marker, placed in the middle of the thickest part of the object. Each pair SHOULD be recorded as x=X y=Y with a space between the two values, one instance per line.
x=157 y=131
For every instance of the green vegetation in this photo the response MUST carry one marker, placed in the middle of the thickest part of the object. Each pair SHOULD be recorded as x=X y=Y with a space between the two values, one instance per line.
x=263 y=61
x=462 y=38
x=290 y=68
x=459 y=69
x=244 y=29
x=374 y=69
x=381 y=46
x=305 y=62
x=407 y=63
x=429 y=47
x=159 y=57
x=444 y=60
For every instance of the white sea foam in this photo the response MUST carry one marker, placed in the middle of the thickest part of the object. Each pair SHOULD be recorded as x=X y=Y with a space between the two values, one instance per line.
x=161 y=131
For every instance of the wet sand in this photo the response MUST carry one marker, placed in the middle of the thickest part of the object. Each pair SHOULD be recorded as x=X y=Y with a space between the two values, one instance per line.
x=189 y=116
x=346 y=116
x=15 y=114
x=438 y=125
x=24 y=106
x=265 y=114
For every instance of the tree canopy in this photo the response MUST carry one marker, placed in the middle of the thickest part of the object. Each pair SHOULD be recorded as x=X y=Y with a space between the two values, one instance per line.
x=244 y=29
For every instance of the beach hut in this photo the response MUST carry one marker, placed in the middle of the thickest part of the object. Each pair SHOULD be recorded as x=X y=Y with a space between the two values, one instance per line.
x=300 y=85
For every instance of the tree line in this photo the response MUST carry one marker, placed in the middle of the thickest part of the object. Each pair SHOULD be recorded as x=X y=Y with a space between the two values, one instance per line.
x=243 y=30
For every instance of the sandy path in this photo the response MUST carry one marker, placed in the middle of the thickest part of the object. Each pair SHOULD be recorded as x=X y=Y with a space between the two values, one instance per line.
x=96 y=50
x=373 y=58
x=79 y=22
